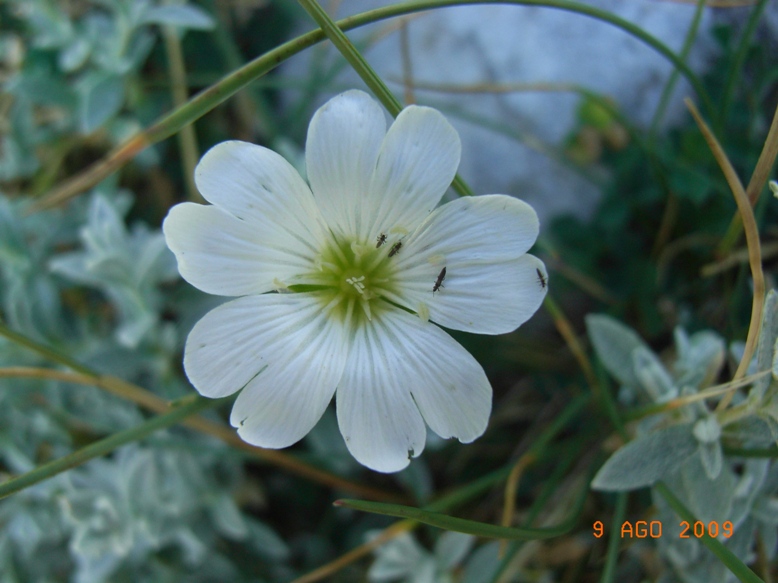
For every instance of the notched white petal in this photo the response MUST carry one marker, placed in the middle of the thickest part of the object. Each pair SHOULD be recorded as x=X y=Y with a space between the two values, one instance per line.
x=417 y=163
x=447 y=383
x=490 y=298
x=490 y=285
x=222 y=255
x=281 y=350
x=378 y=418
x=488 y=228
x=257 y=185
x=344 y=137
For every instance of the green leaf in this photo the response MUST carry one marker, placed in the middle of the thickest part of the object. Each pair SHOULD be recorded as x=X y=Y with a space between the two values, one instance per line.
x=452 y=548
x=765 y=347
x=614 y=344
x=653 y=376
x=183 y=15
x=101 y=98
x=646 y=459
x=709 y=499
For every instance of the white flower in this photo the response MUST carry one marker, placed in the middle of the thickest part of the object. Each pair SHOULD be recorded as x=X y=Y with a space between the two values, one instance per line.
x=363 y=266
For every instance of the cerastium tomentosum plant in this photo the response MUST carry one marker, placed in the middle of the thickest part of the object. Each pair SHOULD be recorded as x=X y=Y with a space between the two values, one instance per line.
x=341 y=283
x=732 y=496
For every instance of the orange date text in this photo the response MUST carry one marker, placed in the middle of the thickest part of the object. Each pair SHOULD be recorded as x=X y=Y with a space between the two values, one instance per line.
x=653 y=529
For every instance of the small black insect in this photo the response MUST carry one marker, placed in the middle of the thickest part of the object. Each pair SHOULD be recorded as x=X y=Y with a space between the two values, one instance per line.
x=395 y=248
x=541 y=279
x=380 y=240
x=439 y=281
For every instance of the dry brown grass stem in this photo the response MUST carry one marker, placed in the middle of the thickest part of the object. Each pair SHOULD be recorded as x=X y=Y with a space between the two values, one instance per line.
x=752 y=239
x=150 y=401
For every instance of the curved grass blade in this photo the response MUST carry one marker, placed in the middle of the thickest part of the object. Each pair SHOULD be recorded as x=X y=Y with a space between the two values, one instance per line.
x=473 y=527
x=104 y=446
x=209 y=98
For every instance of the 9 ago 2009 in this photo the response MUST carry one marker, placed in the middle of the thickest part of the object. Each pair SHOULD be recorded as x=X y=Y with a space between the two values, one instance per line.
x=653 y=529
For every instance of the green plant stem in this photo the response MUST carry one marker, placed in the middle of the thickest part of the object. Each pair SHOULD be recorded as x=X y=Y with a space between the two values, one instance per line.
x=208 y=99
x=727 y=557
x=194 y=405
x=187 y=140
x=45 y=351
x=737 y=64
x=609 y=572
x=670 y=85
x=474 y=527
x=769 y=452
x=430 y=514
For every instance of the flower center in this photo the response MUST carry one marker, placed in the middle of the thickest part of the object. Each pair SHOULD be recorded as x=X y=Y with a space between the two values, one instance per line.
x=355 y=278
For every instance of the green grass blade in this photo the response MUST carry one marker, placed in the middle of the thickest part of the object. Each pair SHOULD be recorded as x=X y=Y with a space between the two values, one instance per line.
x=104 y=446
x=727 y=557
x=609 y=572
x=468 y=526
x=208 y=99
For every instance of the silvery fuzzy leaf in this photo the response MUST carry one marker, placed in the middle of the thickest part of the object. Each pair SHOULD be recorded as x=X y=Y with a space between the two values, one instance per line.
x=101 y=96
x=652 y=375
x=483 y=564
x=266 y=542
x=707 y=429
x=182 y=15
x=452 y=548
x=700 y=357
x=707 y=499
x=50 y=25
x=748 y=487
x=396 y=559
x=741 y=543
x=127 y=267
x=712 y=459
x=74 y=55
x=765 y=346
x=425 y=572
x=614 y=343
x=766 y=510
x=228 y=518
x=647 y=459
x=752 y=431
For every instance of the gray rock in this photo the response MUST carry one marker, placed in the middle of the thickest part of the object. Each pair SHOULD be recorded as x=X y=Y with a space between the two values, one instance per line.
x=513 y=141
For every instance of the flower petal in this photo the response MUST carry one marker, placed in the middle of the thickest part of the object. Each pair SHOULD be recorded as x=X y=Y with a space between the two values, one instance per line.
x=490 y=286
x=418 y=160
x=341 y=150
x=258 y=186
x=282 y=350
x=447 y=383
x=379 y=421
x=223 y=255
x=398 y=368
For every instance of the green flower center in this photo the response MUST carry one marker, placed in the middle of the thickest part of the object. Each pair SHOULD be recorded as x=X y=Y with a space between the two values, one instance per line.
x=355 y=278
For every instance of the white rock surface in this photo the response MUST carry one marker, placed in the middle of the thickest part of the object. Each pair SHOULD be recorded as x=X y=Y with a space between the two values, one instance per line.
x=499 y=44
